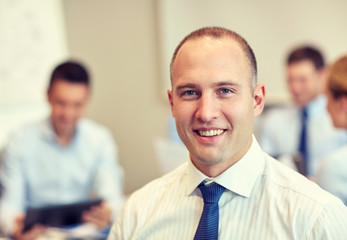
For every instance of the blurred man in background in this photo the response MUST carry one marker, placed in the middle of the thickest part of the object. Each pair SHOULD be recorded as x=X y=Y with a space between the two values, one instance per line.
x=302 y=132
x=61 y=160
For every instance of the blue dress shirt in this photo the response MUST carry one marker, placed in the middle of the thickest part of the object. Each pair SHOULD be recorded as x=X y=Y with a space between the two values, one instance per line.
x=280 y=133
x=38 y=171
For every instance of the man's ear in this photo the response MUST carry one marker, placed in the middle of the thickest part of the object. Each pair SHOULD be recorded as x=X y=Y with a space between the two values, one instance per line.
x=169 y=94
x=259 y=98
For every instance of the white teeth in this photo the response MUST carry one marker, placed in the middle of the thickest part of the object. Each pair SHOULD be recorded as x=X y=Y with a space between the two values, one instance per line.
x=211 y=133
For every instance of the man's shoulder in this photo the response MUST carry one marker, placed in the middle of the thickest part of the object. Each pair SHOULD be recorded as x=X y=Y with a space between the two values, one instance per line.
x=92 y=128
x=29 y=131
x=91 y=125
x=311 y=210
x=294 y=186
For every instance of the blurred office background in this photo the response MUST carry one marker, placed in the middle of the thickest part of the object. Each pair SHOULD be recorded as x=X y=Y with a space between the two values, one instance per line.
x=127 y=46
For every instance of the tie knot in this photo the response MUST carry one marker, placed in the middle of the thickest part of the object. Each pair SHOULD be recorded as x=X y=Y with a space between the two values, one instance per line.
x=211 y=193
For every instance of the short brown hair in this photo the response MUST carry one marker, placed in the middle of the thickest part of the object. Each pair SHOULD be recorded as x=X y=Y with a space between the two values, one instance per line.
x=308 y=53
x=70 y=71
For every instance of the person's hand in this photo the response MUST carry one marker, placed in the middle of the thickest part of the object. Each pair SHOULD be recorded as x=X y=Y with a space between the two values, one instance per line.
x=31 y=234
x=99 y=215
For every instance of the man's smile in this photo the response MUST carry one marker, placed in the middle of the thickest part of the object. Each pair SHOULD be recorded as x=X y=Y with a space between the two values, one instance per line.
x=210 y=133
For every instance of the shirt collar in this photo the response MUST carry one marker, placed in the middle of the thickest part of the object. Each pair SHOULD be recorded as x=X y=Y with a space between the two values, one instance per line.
x=49 y=133
x=240 y=178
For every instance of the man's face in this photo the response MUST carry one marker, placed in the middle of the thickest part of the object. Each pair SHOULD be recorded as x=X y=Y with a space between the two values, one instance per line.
x=304 y=81
x=68 y=102
x=212 y=102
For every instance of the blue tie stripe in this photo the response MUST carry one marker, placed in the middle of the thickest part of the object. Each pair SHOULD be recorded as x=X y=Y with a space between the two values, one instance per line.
x=209 y=221
x=303 y=141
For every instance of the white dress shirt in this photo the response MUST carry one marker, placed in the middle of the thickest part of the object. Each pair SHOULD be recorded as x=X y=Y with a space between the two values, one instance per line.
x=263 y=200
x=37 y=171
x=281 y=127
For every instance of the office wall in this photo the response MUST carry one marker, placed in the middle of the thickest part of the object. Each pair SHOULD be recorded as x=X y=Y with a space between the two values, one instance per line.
x=271 y=27
x=117 y=39
x=32 y=41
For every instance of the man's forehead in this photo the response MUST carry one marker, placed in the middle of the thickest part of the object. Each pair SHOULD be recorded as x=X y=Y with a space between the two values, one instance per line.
x=205 y=47
x=303 y=66
x=208 y=45
x=213 y=42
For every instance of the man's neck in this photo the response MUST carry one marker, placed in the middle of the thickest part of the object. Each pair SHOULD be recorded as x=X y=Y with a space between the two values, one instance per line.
x=217 y=169
x=64 y=140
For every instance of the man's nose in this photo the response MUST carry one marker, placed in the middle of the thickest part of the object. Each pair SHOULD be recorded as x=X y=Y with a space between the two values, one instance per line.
x=207 y=108
x=295 y=86
x=68 y=112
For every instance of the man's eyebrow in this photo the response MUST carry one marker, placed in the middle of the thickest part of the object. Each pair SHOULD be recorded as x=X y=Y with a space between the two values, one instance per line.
x=217 y=84
x=226 y=83
x=184 y=86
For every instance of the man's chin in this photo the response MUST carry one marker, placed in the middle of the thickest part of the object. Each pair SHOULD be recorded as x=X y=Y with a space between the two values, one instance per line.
x=66 y=129
x=300 y=103
x=208 y=159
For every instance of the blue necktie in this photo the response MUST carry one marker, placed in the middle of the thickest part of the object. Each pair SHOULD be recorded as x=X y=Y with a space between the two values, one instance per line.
x=303 y=142
x=208 y=225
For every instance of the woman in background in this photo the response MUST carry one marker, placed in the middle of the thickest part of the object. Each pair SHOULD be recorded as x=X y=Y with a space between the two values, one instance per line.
x=332 y=175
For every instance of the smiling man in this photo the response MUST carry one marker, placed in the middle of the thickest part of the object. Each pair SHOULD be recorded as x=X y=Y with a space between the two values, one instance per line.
x=214 y=101
x=230 y=189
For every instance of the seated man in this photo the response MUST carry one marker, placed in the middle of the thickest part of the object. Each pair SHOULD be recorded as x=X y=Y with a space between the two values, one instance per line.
x=60 y=160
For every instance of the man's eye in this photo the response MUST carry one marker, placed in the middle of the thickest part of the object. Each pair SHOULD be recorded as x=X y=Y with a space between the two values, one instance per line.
x=225 y=90
x=60 y=103
x=189 y=93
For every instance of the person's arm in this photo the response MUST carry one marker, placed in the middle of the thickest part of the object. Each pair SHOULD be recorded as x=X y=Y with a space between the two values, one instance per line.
x=12 y=202
x=108 y=185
